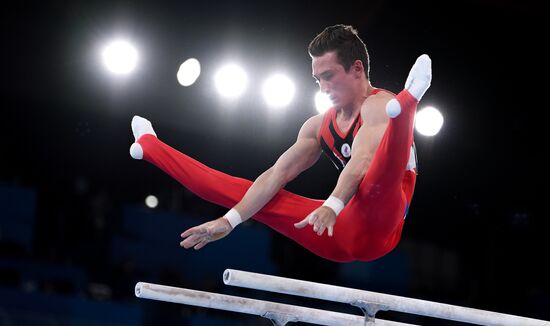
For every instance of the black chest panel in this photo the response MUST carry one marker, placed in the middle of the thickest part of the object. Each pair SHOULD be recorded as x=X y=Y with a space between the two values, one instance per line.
x=340 y=152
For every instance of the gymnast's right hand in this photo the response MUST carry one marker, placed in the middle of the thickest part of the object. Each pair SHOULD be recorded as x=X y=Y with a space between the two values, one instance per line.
x=199 y=236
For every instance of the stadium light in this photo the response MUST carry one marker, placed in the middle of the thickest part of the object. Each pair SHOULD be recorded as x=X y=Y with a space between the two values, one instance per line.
x=278 y=91
x=189 y=72
x=428 y=121
x=151 y=201
x=231 y=81
x=120 y=57
x=322 y=102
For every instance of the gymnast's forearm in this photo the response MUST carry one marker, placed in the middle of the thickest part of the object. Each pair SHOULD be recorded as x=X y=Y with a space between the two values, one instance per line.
x=264 y=188
x=350 y=178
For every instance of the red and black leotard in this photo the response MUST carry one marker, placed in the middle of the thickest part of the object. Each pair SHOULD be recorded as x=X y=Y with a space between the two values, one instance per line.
x=335 y=143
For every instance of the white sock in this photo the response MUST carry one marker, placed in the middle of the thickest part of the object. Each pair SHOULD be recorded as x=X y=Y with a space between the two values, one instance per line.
x=140 y=127
x=393 y=108
x=136 y=151
x=420 y=77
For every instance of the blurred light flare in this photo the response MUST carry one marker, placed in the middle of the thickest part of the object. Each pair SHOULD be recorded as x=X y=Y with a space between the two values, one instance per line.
x=278 y=91
x=151 y=201
x=120 y=57
x=231 y=81
x=189 y=72
x=322 y=102
x=428 y=121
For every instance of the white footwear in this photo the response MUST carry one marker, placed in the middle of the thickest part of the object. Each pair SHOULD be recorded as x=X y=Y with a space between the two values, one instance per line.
x=136 y=151
x=418 y=82
x=393 y=108
x=140 y=127
x=420 y=77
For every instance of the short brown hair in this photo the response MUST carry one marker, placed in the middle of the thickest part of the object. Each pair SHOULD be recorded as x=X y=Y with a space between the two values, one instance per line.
x=345 y=41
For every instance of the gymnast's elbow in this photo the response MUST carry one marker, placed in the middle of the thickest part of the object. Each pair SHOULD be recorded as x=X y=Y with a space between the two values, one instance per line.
x=357 y=167
x=277 y=177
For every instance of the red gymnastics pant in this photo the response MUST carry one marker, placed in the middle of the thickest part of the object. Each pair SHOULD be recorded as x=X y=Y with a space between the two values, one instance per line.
x=367 y=228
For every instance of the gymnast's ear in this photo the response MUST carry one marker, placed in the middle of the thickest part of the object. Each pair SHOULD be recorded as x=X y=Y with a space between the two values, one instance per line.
x=357 y=67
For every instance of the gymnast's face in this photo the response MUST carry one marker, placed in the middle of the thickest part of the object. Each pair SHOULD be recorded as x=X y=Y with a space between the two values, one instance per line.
x=341 y=86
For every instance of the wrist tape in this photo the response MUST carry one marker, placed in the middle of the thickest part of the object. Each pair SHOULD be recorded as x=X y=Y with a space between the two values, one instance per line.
x=233 y=217
x=335 y=204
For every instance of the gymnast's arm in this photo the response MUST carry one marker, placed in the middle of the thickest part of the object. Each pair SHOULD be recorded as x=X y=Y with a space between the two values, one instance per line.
x=299 y=157
x=365 y=144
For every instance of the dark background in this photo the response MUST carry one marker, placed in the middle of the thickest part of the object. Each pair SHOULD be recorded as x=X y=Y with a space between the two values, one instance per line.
x=476 y=234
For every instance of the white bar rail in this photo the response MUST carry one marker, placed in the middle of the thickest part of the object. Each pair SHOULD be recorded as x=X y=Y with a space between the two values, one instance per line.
x=278 y=313
x=372 y=301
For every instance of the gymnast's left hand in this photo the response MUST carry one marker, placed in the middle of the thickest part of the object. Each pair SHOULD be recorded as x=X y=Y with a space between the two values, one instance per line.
x=199 y=236
x=322 y=218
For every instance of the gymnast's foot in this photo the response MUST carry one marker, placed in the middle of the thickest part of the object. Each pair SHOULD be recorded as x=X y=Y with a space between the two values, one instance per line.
x=140 y=127
x=420 y=77
x=418 y=82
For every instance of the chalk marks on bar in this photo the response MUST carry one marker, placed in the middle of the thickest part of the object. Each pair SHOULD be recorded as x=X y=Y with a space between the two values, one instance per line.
x=281 y=314
x=372 y=301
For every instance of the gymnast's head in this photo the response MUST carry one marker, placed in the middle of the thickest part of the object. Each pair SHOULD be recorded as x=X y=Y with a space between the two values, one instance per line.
x=340 y=63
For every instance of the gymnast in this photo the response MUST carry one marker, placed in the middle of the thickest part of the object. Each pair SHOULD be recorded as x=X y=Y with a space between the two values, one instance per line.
x=367 y=134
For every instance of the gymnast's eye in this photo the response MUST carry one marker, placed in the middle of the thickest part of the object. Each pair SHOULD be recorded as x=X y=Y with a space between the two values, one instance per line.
x=327 y=75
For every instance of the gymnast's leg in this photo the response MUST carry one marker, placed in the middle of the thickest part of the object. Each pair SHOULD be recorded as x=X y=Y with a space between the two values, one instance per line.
x=207 y=183
x=375 y=214
x=280 y=213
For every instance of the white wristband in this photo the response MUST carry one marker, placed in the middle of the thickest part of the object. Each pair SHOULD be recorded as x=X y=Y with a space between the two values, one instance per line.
x=335 y=204
x=233 y=217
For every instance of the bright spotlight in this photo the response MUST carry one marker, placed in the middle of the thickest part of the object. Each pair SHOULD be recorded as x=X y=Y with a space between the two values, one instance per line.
x=120 y=57
x=151 y=201
x=189 y=72
x=231 y=81
x=322 y=102
x=278 y=91
x=428 y=121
